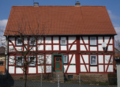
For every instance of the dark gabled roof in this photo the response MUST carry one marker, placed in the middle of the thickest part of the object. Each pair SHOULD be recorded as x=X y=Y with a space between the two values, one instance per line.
x=59 y=20
x=2 y=50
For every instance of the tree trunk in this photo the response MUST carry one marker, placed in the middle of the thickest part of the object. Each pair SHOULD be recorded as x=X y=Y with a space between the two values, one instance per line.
x=25 y=76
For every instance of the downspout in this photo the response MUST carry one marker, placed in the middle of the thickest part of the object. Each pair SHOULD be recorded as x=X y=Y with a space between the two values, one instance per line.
x=6 y=57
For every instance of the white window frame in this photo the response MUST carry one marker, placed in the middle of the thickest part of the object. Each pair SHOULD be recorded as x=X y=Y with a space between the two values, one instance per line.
x=65 y=39
x=91 y=60
x=66 y=59
x=18 y=43
x=22 y=62
x=33 y=63
x=32 y=38
x=95 y=41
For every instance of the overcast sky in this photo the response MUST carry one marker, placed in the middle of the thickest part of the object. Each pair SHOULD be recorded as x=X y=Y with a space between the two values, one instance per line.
x=113 y=8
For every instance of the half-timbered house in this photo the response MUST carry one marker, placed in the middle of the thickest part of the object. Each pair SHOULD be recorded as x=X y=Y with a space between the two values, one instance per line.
x=79 y=39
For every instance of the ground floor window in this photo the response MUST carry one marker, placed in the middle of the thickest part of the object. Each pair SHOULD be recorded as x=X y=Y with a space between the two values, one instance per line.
x=93 y=59
x=32 y=61
x=70 y=76
x=19 y=61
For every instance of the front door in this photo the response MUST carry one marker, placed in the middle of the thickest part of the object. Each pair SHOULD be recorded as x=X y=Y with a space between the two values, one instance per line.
x=57 y=63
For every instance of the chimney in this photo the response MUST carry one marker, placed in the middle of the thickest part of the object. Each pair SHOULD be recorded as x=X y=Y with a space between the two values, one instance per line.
x=36 y=4
x=77 y=3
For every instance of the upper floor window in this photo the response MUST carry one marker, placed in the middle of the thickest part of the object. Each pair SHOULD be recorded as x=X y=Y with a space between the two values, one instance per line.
x=65 y=59
x=93 y=41
x=19 y=61
x=63 y=41
x=19 y=41
x=32 y=41
x=93 y=59
x=32 y=61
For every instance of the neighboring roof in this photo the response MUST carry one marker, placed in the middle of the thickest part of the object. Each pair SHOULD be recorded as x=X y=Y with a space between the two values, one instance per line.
x=2 y=50
x=59 y=20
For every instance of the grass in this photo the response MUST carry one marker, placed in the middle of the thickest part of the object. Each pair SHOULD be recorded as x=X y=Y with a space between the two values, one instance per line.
x=100 y=83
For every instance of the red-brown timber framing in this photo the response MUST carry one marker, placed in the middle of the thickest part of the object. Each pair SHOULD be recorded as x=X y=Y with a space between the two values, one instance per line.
x=77 y=53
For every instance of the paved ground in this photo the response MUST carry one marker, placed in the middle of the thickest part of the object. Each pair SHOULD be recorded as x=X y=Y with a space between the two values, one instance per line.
x=45 y=84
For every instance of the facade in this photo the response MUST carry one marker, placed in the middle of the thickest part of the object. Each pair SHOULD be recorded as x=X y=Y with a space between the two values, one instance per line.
x=73 y=44
x=2 y=60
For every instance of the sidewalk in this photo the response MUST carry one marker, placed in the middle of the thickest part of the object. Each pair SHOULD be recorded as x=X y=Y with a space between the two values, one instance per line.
x=45 y=84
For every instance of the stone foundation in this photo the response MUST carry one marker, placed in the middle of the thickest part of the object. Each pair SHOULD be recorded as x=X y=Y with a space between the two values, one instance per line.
x=85 y=77
x=89 y=77
x=31 y=77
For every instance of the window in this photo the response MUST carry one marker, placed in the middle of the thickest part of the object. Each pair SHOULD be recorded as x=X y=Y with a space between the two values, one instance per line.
x=32 y=60
x=93 y=41
x=19 y=41
x=70 y=76
x=93 y=59
x=1 y=63
x=63 y=41
x=19 y=61
x=32 y=41
x=65 y=59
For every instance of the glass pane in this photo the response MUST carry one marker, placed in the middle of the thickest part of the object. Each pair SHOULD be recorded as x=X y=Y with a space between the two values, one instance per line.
x=57 y=59
x=1 y=63
x=65 y=59
x=92 y=41
x=93 y=60
x=63 y=41
x=32 y=60
x=19 y=41
x=19 y=61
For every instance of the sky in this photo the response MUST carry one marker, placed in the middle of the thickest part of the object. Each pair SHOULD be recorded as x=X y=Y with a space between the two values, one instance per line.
x=113 y=8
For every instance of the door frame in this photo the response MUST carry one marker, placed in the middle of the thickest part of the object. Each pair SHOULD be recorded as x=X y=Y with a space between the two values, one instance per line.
x=53 y=67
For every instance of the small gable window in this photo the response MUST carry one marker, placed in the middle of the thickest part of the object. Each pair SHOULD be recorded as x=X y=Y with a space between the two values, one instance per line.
x=93 y=41
x=32 y=41
x=63 y=41
x=19 y=41
x=93 y=59
x=19 y=61
x=65 y=59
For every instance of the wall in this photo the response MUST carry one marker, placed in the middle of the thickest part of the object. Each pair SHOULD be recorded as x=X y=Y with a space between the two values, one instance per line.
x=2 y=68
x=78 y=49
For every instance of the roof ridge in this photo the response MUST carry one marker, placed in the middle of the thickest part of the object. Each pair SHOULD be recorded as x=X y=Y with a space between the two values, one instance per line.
x=58 y=6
